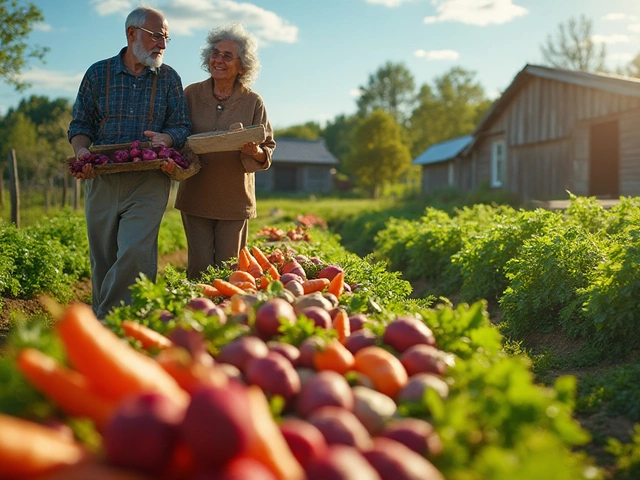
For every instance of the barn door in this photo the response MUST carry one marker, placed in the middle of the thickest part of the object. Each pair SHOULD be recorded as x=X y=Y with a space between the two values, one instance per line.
x=604 y=160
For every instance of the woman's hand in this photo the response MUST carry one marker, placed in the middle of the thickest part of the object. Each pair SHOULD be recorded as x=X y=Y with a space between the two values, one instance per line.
x=159 y=139
x=255 y=150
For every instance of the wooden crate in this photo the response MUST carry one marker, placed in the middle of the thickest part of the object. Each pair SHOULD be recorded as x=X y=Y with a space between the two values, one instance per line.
x=225 y=141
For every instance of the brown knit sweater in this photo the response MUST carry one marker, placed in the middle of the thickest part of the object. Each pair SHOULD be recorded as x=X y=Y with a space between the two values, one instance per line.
x=224 y=188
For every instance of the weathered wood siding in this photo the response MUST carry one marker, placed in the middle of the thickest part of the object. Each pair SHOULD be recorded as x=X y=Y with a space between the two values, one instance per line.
x=307 y=178
x=630 y=154
x=435 y=177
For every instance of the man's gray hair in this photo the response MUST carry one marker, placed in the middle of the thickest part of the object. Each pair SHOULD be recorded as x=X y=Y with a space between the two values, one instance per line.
x=138 y=16
x=247 y=50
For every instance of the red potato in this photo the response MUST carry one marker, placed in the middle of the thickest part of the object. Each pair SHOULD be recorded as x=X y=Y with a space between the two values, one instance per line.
x=360 y=339
x=418 y=384
x=320 y=316
x=340 y=426
x=239 y=468
x=288 y=277
x=143 y=433
x=216 y=425
x=414 y=433
x=290 y=352
x=292 y=266
x=330 y=271
x=218 y=311
x=394 y=461
x=200 y=304
x=239 y=351
x=308 y=349
x=341 y=463
x=404 y=332
x=295 y=288
x=372 y=408
x=275 y=375
x=323 y=389
x=426 y=359
x=273 y=313
x=357 y=321
x=304 y=439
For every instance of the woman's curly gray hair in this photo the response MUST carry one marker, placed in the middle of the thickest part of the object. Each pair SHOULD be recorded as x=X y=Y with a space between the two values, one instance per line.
x=247 y=50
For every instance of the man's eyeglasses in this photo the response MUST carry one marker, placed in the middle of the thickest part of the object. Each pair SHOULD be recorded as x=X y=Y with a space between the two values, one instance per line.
x=155 y=36
x=227 y=57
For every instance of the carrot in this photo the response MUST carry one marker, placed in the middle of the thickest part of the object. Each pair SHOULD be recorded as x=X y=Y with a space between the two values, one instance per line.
x=315 y=285
x=240 y=276
x=148 y=337
x=243 y=260
x=385 y=371
x=28 y=449
x=209 y=290
x=190 y=373
x=341 y=325
x=273 y=272
x=337 y=285
x=267 y=444
x=254 y=267
x=113 y=368
x=94 y=471
x=226 y=288
x=67 y=388
x=261 y=258
x=333 y=356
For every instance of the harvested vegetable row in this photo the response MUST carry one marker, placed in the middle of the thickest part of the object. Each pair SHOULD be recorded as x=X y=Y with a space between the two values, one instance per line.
x=113 y=368
x=147 y=337
x=28 y=449
x=315 y=285
x=67 y=388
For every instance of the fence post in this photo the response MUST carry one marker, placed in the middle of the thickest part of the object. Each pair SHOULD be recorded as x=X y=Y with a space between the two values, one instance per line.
x=14 y=187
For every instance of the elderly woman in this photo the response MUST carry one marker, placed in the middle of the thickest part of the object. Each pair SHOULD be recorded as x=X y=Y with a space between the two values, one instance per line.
x=217 y=203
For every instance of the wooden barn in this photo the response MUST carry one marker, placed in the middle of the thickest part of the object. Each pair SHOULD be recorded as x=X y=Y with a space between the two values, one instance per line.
x=298 y=166
x=443 y=165
x=555 y=130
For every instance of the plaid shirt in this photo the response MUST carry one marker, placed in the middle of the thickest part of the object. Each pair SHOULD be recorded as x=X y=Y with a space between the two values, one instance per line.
x=129 y=105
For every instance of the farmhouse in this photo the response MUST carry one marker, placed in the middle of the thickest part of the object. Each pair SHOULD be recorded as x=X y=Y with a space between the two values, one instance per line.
x=552 y=131
x=298 y=166
x=441 y=161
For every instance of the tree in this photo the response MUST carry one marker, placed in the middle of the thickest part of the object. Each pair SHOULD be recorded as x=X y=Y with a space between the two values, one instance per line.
x=379 y=156
x=390 y=89
x=632 y=69
x=17 y=22
x=452 y=108
x=573 y=47
x=308 y=131
x=338 y=133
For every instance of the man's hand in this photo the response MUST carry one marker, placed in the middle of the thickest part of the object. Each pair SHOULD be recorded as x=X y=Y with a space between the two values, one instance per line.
x=159 y=139
x=168 y=166
x=82 y=152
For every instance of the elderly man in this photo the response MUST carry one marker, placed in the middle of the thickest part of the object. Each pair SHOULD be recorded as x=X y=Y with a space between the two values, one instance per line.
x=131 y=96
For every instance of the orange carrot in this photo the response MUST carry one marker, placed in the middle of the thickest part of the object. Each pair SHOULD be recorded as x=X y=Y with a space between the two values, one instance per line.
x=28 y=449
x=148 y=337
x=254 y=267
x=226 y=288
x=268 y=444
x=315 y=285
x=243 y=260
x=113 y=368
x=209 y=290
x=341 y=325
x=333 y=356
x=240 y=276
x=67 y=388
x=261 y=258
x=337 y=285
x=273 y=272
x=384 y=369
x=190 y=373
x=94 y=471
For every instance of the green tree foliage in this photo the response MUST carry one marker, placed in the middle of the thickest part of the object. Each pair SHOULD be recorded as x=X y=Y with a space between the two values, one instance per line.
x=451 y=108
x=390 y=89
x=308 y=131
x=573 y=47
x=632 y=69
x=379 y=156
x=338 y=133
x=17 y=22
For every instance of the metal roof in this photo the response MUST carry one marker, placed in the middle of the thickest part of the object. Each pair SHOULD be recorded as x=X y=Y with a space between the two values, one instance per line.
x=443 y=151
x=293 y=150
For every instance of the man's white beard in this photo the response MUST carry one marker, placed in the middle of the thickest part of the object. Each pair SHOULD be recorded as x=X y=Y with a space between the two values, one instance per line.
x=145 y=57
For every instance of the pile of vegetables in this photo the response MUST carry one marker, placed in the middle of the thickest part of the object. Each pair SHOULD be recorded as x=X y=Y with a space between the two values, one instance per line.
x=135 y=153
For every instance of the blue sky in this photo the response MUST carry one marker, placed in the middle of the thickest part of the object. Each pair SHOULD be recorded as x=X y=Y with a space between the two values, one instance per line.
x=315 y=54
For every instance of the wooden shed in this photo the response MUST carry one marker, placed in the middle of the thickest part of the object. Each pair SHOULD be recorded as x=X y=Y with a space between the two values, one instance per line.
x=555 y=130
x=298 y=166
x=443 y=166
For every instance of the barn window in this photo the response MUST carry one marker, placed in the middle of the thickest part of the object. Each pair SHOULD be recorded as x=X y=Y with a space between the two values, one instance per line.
x=498 y=162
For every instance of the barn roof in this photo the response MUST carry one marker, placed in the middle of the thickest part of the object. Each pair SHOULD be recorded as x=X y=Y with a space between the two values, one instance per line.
x=293 y=150
x=443 y=151
x=618 y=84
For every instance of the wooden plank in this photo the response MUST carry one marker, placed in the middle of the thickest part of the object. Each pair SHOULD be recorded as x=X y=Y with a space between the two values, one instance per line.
x=225 y=141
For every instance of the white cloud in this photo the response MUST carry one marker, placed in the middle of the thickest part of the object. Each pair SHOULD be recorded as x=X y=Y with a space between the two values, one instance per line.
x=622 y=57
x=616 y=16
x=356 y=92
x=43 y=27
x=52 y=79
x=635 y=28
x=186 y=17
x=437 y=54
x=475 y=12
x=610 y=39
x=387 y=3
